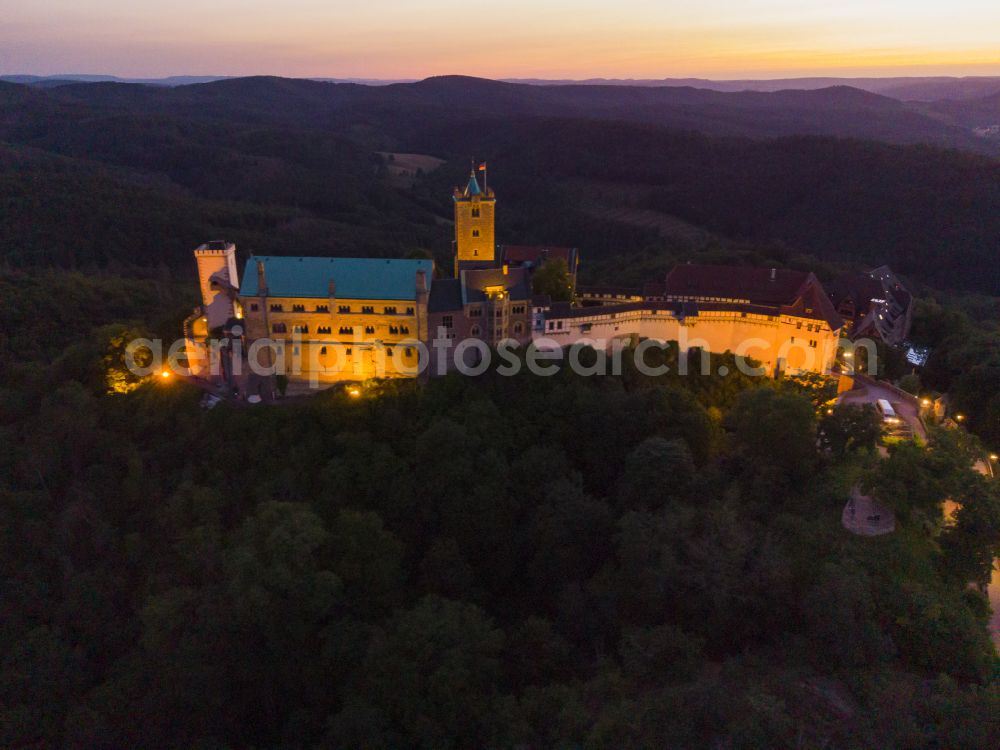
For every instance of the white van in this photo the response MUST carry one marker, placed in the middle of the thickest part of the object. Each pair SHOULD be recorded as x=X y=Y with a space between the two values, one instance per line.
x=886 y=410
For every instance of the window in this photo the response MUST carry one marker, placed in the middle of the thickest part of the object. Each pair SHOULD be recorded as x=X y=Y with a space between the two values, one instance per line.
x=518 y=328
x=393 y=330
x=275 y=308
x=799 y=325
x=474 y=331
x=447 y=321
x=300 y=329
x=298 y=308
x=809 y=327
x=254 y=307
x=812 y=344
x=475 y=232
x=279 y=328
x=517 y=310
x=404 y=329
x=475 y=312
x=324 y=330
x=348 y=351
x=388 y=351
x=344 y=309
x=475 y=212
x=346 y=330
x=408 y=351
x=390 y=310
x=367 y=309
x=323 y=308
x=369 y=329
x=743 y=315
x=322 y=350
x=409 y=311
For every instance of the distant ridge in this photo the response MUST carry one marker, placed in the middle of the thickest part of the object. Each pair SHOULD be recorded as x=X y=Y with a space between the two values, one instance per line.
x=903 y=88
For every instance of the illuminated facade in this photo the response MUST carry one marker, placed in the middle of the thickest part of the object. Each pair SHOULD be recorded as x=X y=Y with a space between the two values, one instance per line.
x=475 y=241
x=321 y=321
x=781 y=318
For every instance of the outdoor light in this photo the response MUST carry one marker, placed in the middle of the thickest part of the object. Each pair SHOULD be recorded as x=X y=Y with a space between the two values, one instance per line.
x=165 y=374
x=354 y=391
x=994 y=457
x=926 y=402
x=959 y=417
x=848 y=355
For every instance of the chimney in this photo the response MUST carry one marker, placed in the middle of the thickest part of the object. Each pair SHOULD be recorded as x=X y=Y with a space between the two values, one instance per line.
x=774 y=274
x=421 y=282
x=261 y=281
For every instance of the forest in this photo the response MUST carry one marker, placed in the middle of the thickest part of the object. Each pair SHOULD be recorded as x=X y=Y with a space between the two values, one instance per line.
x=494 y=562
x=570 y=561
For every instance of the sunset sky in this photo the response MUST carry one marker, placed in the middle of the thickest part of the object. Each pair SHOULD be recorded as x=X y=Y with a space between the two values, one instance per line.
x=512 y=38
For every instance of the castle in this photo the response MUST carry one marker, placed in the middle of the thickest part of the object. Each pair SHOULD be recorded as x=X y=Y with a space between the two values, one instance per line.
x=329 y=320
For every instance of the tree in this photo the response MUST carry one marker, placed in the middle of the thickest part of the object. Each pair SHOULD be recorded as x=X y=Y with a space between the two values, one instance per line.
x=850 y=428
x=553 y=278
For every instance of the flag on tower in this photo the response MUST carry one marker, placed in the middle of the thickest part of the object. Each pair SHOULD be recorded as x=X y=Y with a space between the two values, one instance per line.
x=482 y=167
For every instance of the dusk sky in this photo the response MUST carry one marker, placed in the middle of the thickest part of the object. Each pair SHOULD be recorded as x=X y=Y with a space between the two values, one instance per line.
x=513 y=38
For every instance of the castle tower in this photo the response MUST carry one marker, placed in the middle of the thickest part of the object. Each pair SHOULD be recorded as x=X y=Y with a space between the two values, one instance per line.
x=218 y=279
x=475 y=244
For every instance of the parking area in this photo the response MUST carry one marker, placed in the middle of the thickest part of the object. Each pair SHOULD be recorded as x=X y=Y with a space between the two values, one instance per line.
x=870 y=391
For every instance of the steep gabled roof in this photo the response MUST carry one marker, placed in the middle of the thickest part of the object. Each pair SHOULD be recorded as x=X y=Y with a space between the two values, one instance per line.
x=794 y=292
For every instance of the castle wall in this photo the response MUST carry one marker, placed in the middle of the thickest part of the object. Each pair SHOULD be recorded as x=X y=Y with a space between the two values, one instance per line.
x=358 y=345
x=794 y=344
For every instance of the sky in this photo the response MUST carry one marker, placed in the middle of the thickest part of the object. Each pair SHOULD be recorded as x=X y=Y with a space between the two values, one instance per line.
x=502 y=39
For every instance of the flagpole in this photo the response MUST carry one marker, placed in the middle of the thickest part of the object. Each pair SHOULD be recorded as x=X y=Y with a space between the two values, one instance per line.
x=485 y=186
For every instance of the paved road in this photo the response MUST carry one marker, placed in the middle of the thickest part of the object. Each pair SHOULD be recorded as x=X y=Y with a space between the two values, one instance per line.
x=870 y=392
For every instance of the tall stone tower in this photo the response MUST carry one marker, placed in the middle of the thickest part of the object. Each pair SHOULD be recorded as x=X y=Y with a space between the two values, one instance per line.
x=475 y=243
x=217 y=277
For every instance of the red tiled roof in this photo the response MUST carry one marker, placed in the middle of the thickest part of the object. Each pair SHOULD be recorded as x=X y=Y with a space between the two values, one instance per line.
x=796 y=292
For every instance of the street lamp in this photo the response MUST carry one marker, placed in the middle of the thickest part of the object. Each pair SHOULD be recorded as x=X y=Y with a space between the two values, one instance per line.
x=959 y=417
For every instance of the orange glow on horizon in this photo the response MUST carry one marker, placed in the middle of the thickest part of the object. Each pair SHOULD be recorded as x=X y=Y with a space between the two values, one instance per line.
x=517 y=38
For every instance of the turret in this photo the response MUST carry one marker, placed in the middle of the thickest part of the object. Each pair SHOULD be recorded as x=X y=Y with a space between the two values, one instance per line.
x=217 y=277
x=474 y=219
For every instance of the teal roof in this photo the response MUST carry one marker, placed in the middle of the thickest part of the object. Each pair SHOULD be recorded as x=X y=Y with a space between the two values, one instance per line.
x=473 y=187
x=355 y=278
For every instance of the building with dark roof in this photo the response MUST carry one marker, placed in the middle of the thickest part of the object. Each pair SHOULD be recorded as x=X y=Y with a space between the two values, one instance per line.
x=874 y=304
x=778 y=317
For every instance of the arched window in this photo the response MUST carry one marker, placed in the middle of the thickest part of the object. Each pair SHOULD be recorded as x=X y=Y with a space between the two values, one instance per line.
x=474 y=331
